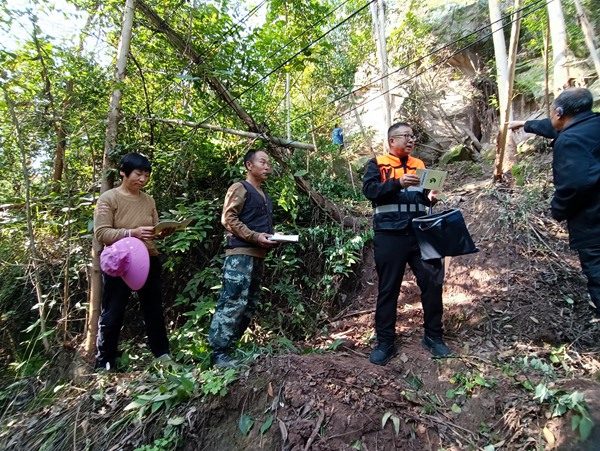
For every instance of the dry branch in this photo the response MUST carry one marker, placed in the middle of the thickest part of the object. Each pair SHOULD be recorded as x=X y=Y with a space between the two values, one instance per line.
x=179 y=43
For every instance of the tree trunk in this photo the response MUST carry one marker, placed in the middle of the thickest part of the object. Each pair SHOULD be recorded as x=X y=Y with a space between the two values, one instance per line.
x=501 y=78
x=378 y=17
x=358 y=120
x=110 y=142
x=547 y=67
x=41 y=303
x=588 y=33
x=272 y=139
x=499 y=51
x=503 y=164
x=57 y=121
x=558 y=33
x=183 y=46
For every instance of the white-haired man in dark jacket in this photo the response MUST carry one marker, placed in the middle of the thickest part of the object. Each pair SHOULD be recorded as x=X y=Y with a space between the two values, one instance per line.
x=575 y=131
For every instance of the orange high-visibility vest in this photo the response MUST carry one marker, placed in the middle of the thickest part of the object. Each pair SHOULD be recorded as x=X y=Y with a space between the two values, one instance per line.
x=391 y=167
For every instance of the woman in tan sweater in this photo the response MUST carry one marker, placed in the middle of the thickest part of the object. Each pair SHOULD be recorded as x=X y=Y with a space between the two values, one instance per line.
x=122 y=212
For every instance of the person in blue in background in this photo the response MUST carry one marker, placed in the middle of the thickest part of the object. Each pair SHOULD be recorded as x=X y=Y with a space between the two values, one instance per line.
x=337 y=136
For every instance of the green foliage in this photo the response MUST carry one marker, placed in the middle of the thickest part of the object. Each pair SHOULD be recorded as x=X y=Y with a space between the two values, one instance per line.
x=562 y=402
x=245 y=424
x=466 y=382
x=304 y=280
x=413 y=39
x=169 y=441
x=198 y=234
x=267 y=424
x=395 y=421
x=215 y=382
x=176 y=388
x=537 y=375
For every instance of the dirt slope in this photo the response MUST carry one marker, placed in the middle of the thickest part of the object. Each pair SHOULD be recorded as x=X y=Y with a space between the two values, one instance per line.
x=507 y=308
x=516 y=316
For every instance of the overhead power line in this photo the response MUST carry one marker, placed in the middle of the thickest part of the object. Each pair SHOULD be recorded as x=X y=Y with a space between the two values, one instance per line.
x=299 y=35
x=308 y=29
x=218 y=42
x=290 y=59
x=312 y=112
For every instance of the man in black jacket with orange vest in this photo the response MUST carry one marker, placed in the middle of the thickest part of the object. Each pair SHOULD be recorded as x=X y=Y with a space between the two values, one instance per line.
x=575 y=130
x=248 y=217
x=392 y=185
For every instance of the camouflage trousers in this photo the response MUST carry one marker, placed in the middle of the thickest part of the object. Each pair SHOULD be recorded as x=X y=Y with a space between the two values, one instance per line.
x=239 y=298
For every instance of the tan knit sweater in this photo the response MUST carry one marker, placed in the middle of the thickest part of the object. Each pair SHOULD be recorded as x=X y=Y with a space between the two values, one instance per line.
x=116 y=213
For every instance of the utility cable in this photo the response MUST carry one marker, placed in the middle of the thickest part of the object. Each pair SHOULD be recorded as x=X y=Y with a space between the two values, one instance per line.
x=221 y=39
x=351 y=16
x=416 y=61
x=295 y=38
x=310 y=28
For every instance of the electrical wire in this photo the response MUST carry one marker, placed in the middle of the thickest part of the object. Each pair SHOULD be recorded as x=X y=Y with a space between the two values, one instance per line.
x=229 y=33
x=218 y=41
x=291 y=41
x=414 y=62
x=295 y=38
x=288 y=60
x=310 y=28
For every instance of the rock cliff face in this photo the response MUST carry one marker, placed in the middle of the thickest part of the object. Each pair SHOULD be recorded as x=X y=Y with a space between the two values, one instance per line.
x=449 y=93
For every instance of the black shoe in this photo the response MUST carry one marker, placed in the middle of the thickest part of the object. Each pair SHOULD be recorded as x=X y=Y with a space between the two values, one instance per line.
x=223 y=360
x=104 y=367
x=382 y=353
x=436 y=346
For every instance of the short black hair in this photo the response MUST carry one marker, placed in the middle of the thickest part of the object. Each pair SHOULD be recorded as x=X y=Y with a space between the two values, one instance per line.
x=396 y=126
x=574 y=101
x=250 y=156
x=132 y=161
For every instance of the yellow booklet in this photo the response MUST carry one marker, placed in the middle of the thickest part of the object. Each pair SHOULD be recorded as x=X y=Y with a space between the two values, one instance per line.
x=431 y=178
x=168 y=224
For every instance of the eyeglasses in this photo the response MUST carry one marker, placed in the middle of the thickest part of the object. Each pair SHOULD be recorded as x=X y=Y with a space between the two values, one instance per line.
x=406 y=136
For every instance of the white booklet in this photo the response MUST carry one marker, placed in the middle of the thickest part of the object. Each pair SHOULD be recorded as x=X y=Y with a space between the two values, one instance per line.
x=431 y=178
x=281 y=238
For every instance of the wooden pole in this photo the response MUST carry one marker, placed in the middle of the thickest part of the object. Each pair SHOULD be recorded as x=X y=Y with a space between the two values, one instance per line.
x=273 y=139
x=547 y=66
x=110 y=141
x=378 y=17
x=588 y=35
x=505 y=115
x=560 y=49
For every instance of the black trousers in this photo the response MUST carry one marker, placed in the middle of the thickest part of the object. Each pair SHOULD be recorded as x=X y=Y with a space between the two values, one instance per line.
x=590 y=264
x=393 y=250
x=115 y=295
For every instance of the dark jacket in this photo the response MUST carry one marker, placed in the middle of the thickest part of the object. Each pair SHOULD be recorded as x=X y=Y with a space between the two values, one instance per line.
x=257 y=214
x=576 y=171
x=394 y=206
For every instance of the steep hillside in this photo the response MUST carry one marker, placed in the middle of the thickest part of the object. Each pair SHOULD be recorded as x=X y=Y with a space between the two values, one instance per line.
x=527 y=361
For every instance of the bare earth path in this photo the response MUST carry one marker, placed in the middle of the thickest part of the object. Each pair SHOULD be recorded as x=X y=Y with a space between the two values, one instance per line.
x=519 y=302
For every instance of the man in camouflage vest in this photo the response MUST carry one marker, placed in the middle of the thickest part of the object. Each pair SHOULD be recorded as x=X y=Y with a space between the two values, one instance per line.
x=248 y=217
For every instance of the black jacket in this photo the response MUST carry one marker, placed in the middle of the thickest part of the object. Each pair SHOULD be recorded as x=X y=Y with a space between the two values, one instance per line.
x=390 y=193
x=576 y=171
